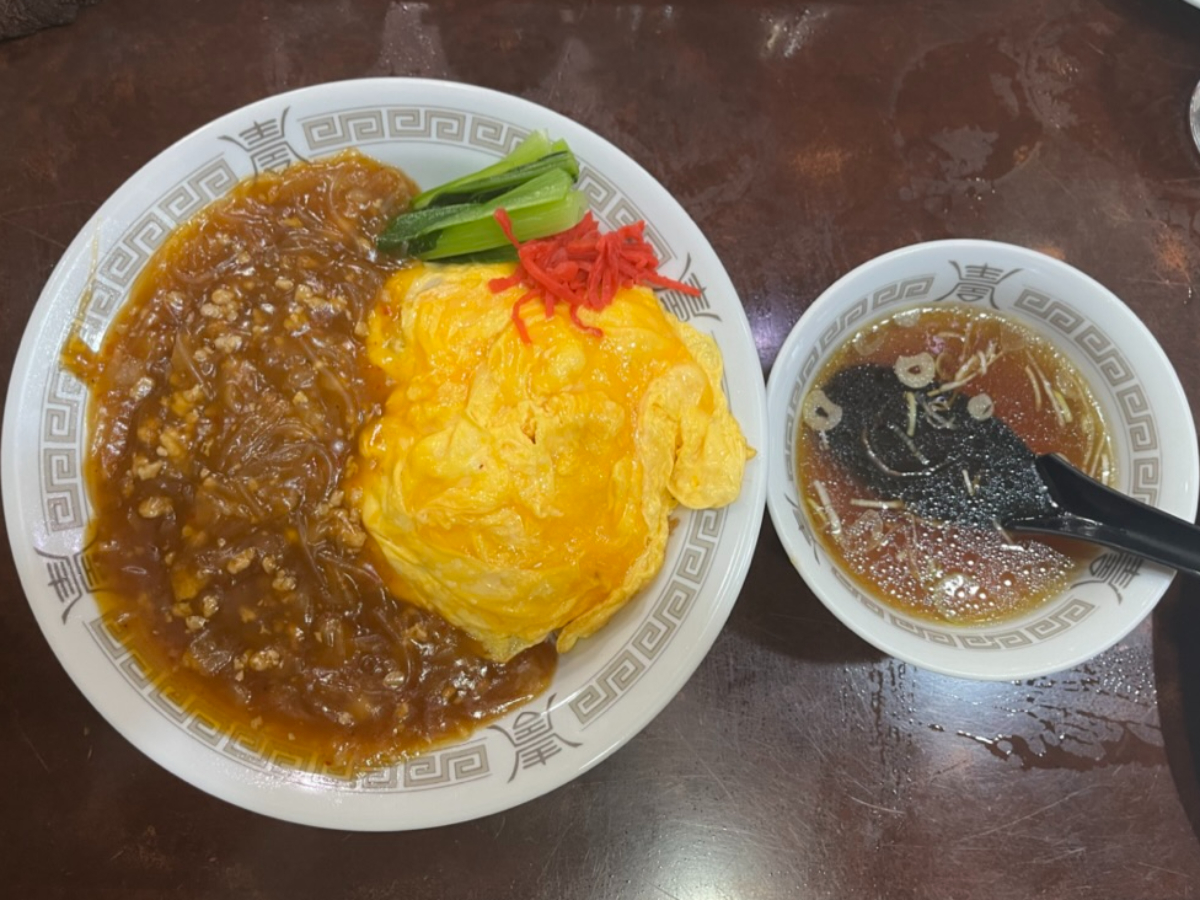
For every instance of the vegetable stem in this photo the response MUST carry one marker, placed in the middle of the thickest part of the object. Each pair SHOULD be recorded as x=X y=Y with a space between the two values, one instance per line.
x=534 y=184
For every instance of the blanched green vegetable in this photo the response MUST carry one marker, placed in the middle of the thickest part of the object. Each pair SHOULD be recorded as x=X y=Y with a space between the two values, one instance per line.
x=533 y=184
x=529 y=222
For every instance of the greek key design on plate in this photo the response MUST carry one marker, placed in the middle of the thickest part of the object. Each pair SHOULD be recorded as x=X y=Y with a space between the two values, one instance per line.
x=336 y=130
x=614 y=209
x=436 y=769
x=915 y=288
x=454 y=765
x=660 y=624
x=1146 y=471
x=357 y=127
x=64 y=501
x=1065 y=319
x=62 y=417
x=1074 y=611
x=123 y=262
x=1052 y=624
x=1001 y=640
x=789 y=431
x=1135 y=410
x=1057 y=315
x=1133 y=405
x=606 y=688
x=1104 y=353
x=467 y=762
x=61 y=433
x=601 y=192
x=179 y=707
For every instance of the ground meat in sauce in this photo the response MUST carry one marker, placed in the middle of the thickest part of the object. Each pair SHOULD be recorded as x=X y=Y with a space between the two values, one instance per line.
x=225 y=404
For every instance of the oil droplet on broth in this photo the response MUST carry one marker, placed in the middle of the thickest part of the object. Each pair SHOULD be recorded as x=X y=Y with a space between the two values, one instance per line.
x=943 y=571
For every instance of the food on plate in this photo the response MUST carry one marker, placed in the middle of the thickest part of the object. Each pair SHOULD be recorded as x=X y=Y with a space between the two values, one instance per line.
x=521 y=480
x=580 y=267
x=534 y=185
x=276 y=417
x=225 y=404
x=926 y=378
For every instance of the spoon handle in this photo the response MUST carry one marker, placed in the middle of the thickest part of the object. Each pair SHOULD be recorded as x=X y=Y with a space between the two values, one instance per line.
x=1090 y=511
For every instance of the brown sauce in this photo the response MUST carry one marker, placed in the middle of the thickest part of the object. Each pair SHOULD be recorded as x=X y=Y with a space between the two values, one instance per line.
x=225 y=404
x=951 y=572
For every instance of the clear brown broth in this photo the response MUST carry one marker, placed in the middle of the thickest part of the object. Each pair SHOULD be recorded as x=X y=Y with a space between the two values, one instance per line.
x=943 y=571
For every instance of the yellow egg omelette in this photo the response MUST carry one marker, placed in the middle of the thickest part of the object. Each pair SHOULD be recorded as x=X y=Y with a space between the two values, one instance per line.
x=522 y=490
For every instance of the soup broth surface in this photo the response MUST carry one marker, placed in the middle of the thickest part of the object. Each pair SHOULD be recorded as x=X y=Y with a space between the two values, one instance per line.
x=945 y=571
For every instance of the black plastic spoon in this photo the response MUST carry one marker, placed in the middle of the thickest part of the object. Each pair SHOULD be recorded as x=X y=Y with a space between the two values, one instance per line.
x=948 y=463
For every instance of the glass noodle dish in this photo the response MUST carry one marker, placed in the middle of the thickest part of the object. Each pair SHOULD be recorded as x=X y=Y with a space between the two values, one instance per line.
x=364 y=460
x=914 y=387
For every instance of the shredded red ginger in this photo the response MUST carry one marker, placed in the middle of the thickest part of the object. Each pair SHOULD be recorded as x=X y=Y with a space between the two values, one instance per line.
x=582 y=268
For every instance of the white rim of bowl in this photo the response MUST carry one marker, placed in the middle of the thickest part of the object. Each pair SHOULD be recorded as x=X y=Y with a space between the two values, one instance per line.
x=780 y=514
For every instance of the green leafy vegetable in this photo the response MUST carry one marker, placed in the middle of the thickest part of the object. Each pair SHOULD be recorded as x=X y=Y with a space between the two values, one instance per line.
x=530 y=150
x=485 y=234
x=534 y=184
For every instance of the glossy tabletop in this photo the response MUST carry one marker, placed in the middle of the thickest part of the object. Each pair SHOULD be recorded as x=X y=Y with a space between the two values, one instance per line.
x=804 y=139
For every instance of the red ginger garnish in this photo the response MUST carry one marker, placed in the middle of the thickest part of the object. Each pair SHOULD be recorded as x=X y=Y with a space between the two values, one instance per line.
x=582 y=268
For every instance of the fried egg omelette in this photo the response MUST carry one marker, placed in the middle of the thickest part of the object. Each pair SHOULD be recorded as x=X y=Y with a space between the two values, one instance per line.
x=524 y=489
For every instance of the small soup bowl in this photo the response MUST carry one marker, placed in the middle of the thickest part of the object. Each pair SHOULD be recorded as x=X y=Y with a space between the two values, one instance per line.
x=1149 y=420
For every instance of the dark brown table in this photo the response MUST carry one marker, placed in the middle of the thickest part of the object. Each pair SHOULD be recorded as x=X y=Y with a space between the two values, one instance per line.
x=804 y=139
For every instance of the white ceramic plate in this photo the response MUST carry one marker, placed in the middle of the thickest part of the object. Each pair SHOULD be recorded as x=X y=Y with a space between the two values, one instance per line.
x=1149 y=420
x=604 y=692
